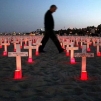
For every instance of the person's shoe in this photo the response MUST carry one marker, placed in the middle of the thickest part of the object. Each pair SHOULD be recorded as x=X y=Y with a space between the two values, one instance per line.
x=42 y=51
x=63 y=50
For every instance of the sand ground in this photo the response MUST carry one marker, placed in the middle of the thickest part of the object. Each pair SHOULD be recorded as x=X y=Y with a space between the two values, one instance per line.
x=50 y=78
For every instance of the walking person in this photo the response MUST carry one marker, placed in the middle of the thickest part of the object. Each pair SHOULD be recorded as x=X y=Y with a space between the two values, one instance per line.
x=49 y=30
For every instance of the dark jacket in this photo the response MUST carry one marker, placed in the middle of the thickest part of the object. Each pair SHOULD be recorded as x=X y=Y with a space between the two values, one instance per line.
x=49 y=21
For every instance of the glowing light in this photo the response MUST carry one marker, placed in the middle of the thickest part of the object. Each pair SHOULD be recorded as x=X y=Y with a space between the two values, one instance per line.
x=21 y=43
x=37 y=44
x=18 y=74
x=18 y=54
x=5 y=44
x=83 y=68
x=14 y=50
x=30 y=47
x=84 y=75
x=0 y=46
x=88 y=49
x=20 y=47
x=14 y=43
x=30 y=60
x=36 y=53
x=72 y=61
x=88 y=43
x=67 y=53
x=98 y=54
x=98 y=51
x=4 y=53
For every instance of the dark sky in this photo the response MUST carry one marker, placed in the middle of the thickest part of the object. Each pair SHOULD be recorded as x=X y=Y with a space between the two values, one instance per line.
x=28 y=15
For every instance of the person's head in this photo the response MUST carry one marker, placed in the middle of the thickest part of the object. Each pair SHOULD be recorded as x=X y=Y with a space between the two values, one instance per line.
x=53 y=8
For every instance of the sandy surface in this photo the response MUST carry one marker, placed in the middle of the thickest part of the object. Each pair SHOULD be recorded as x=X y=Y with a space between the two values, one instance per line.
x=50 y=78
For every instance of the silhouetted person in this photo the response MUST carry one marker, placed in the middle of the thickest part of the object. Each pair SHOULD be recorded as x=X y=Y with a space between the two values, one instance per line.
x=49 y=32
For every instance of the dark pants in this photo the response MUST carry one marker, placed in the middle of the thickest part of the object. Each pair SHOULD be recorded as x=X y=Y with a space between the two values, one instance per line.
x=50 y=34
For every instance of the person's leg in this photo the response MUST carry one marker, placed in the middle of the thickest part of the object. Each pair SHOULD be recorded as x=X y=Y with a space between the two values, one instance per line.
x=44 y=41
x=55 y=40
